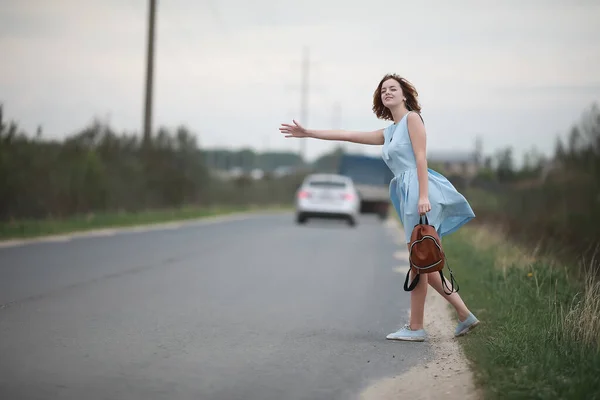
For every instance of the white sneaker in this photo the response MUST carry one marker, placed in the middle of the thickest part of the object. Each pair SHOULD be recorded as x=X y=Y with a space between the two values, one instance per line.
x=405 y=333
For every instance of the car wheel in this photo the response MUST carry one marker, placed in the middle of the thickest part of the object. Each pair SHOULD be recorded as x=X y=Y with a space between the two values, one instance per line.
x=351 y=221
x=300 y=219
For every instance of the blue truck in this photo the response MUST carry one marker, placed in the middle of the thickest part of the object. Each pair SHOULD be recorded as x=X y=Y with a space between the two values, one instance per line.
x=372 y=177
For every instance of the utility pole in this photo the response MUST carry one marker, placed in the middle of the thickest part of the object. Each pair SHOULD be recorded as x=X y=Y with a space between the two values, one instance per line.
x=336 y=118
x=149 y=73
x=336 y=115
x=304 y=98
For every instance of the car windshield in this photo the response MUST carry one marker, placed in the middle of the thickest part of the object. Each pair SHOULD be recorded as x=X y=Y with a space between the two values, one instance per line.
x=327 y=184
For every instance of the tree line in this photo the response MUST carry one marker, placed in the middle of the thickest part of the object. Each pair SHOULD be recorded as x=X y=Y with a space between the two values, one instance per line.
x=100 y=170
x=551 y=202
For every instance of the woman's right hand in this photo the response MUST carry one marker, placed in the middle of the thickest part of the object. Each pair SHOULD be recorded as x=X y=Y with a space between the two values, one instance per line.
x=424 y=206
x=295 y=130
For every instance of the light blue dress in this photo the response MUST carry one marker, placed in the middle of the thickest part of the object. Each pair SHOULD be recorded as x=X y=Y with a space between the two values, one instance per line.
x=449 y=209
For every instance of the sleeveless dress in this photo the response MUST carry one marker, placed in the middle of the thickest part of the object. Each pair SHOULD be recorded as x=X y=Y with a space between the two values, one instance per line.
x=449 y=209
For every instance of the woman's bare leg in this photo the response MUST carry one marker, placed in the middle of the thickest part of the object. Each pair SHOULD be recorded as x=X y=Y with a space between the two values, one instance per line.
x=417 y=302
x=435 y=280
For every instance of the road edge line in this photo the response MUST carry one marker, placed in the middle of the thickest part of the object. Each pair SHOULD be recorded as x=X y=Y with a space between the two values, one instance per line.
x=139 y=228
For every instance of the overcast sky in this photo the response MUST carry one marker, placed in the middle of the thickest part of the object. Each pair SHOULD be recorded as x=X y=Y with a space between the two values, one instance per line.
x=514 y=72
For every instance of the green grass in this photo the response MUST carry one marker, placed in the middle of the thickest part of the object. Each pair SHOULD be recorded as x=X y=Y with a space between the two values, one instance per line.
x=540 y=336
x=482 y=200
x=34 y=228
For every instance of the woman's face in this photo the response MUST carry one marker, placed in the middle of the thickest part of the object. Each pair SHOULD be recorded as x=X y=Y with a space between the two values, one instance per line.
x=391 y=93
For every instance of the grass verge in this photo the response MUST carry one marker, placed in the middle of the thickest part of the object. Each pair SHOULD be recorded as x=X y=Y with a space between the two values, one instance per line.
x=36 y=228
x=540 y=331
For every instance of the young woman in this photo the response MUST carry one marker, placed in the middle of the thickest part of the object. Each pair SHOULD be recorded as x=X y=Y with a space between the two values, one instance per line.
x=415 y=189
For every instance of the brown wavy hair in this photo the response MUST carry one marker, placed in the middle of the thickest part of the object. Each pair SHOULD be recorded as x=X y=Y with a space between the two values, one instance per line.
x=409 y=91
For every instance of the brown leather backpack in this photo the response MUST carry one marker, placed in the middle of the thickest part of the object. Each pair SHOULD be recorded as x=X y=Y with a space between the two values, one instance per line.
x=427 y=256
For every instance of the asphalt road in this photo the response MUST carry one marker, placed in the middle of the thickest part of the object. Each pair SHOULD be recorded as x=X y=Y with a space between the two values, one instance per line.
x=257 y=308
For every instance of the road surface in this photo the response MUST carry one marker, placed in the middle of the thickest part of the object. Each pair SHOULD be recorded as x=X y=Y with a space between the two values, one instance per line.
x=255 y=308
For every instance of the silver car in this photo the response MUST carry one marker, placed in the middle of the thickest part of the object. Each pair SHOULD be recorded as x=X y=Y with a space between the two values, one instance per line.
x=327 y=196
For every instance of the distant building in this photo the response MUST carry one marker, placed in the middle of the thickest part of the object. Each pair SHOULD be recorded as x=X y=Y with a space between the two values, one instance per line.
x=463 y=163
x=257 y=174
x=252 y=173
x=283 y=171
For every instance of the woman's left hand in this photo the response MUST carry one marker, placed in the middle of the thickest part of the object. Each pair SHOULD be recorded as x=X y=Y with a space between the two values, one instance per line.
x=424 y=206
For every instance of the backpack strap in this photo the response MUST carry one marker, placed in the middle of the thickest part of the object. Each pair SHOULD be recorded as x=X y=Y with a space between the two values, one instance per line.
x=453 y=281
x=445 y=288
x=413 y=284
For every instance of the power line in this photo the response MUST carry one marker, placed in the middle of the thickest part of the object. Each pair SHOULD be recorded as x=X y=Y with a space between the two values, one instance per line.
x=304 y=97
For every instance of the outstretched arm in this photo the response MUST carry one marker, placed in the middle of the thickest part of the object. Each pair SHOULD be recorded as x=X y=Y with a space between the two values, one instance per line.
x=296 y=130
x=416 y=130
